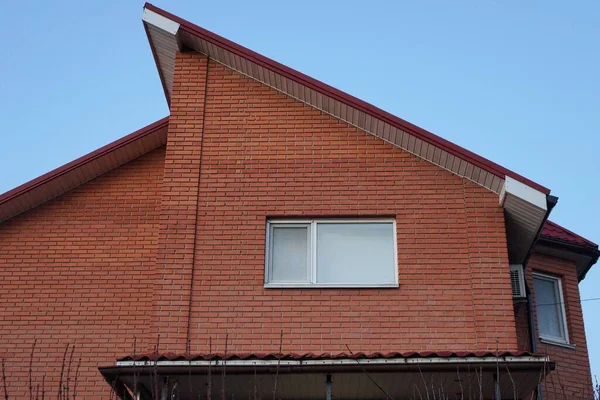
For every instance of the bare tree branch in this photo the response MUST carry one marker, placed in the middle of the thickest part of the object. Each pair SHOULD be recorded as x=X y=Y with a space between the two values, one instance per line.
x=224 y=373
x=4 y=380
x=369 y=375
x=31 y=369
x=278 y=363
x=62 y=372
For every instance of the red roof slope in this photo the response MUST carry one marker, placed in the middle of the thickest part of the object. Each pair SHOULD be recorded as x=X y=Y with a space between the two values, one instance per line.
x=321 y=356
x=552 y=230
x=81 y=170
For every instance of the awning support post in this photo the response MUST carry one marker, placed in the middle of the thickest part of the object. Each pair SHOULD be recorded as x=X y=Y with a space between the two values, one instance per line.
x=328 y=387
x=497 y=393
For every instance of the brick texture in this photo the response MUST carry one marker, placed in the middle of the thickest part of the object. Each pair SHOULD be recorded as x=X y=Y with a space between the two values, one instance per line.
x=79 y=270
x=172 y=244
x=179 y=205
x=572 y=377
x=267 y=155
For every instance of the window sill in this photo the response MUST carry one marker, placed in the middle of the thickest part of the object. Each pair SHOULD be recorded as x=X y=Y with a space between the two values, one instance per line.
x=557 y=343
x=331 y=286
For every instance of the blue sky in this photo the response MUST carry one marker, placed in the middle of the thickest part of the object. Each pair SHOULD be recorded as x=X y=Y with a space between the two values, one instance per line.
x=516 y=82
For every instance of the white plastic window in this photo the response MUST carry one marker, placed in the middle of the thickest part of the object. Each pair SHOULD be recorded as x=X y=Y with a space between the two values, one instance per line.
x=331 y=253
x=550 y=307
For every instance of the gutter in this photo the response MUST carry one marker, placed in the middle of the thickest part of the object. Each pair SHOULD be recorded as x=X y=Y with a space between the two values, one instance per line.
x=593 y=253
x=421 y=361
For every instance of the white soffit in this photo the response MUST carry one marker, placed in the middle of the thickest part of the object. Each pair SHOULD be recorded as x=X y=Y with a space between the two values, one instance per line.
x=160 y=22
x=525 y=210
x=524 y=192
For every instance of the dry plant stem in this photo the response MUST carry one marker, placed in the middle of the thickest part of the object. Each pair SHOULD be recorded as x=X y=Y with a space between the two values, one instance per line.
x=562 y=387
x=278 y=363
x=155 y=392
x=255 y=386
x=223 y=375
x=512 y=381
x=462 y=393
x=209 y=379
x=418 y=391
x=480 y=382
x=70 y=365
x=112 y=387
x=4 y=380
x=424 y=382
x=134 y=371
x=189 y=367
x=369 y=375
x=497 y=367
x=31 y=369
x=62 y=372
x=469 y=379
x=76 y=380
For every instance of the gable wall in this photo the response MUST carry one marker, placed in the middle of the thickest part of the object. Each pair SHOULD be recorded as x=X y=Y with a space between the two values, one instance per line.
x=265 y=155
x=79 y=270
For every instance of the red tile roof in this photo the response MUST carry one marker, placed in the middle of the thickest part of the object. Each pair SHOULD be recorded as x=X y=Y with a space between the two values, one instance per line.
x=322 y=356
x=552 y=230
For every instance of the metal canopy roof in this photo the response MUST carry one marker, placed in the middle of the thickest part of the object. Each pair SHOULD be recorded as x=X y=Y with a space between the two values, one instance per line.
x=358 y=377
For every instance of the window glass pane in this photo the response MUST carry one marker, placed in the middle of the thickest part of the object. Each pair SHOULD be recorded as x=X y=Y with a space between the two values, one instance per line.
x=549 y=313
x=289 y=254
x=355 y=253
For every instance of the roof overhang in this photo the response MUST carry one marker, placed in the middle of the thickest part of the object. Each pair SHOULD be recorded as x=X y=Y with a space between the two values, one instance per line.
x=83 y=169
x=583 y=256
x=526 y=210
x=350 y=378
x=524 y=201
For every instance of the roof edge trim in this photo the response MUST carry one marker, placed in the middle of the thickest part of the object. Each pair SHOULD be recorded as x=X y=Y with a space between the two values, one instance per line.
x=56 y=173
x=337 y=94
x=337 y=361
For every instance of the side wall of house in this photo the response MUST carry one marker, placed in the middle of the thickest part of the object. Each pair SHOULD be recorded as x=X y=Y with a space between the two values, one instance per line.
x=264 y=154
x=572 y=377
x=79 y=271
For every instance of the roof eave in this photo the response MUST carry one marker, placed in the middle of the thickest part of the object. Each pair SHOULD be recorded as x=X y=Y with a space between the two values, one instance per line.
x=74 y=173
x=585 y=257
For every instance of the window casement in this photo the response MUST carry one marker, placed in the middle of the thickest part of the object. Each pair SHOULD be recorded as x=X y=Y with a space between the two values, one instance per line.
x=550 y=307
x=331 y=253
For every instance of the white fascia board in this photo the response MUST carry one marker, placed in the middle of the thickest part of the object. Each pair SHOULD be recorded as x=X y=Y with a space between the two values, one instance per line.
x=522 y=191
x=376 y=361
x=157 y=20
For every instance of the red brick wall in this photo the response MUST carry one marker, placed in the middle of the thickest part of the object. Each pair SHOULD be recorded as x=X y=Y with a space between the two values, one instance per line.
x=572 y=377
x=265 y=155
x=179 y=206
x=106 y=262
x=79 y=270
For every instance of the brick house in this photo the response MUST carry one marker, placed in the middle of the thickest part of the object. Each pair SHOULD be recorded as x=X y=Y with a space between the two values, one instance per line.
x=274 y=236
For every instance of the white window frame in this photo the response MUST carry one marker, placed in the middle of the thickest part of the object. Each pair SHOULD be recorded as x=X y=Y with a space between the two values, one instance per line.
x=562 y=311
x=312 y=278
